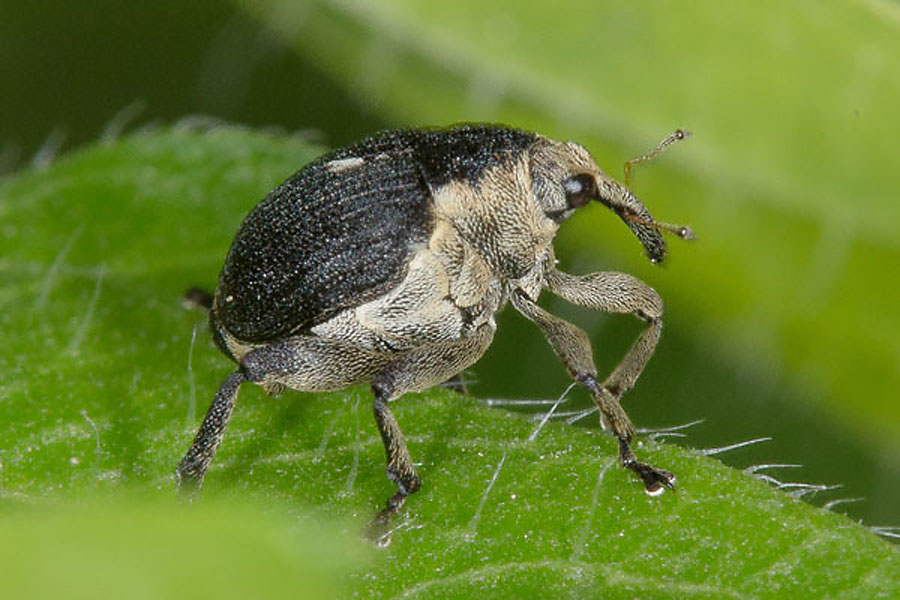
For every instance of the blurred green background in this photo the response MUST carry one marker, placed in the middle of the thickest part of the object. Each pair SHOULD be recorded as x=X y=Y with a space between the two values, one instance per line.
x=782 y=318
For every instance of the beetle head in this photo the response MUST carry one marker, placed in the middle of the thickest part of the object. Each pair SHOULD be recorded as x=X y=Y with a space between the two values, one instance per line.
x=565 y=178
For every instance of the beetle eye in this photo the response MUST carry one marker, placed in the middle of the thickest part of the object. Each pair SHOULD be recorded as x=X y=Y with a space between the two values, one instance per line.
x=580 y=189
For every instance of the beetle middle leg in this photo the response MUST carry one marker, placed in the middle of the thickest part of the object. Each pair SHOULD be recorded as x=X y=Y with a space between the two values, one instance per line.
x=613 y=292
x=416 y=370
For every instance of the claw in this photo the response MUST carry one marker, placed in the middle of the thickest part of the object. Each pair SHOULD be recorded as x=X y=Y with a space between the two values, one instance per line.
x=378 y=531
x=655 y=480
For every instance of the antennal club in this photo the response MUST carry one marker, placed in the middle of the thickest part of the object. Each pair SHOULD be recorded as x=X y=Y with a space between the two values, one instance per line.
x=683 y=231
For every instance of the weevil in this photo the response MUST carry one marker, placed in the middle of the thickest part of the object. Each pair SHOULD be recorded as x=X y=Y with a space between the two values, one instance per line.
x=386 y=262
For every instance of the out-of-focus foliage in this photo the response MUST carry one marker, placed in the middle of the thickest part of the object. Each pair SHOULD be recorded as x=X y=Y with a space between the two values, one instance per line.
x=146 y=550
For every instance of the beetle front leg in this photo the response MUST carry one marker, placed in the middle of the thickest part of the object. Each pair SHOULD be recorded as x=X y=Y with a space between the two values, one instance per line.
x=619 y=293
x=573 y=346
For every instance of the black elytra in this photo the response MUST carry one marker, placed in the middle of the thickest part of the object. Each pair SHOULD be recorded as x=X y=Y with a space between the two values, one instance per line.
x=323 y=242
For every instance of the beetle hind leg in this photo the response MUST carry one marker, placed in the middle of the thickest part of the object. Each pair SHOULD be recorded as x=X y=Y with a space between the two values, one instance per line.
x=192 y=469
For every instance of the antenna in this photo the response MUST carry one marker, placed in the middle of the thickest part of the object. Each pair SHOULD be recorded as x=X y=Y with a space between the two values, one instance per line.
x=677 y=136
x=682 y=231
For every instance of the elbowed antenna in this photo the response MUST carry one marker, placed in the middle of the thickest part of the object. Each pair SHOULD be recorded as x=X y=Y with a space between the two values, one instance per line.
x=633 y=212
x=677 y=136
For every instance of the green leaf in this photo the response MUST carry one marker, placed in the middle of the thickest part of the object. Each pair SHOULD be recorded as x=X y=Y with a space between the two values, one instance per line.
x=107 y=376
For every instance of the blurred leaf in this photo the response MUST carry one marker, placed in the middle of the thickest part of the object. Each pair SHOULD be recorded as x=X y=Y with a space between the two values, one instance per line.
x=71 y=74
x=112 y=550
x=789 y=180
x=107 y=376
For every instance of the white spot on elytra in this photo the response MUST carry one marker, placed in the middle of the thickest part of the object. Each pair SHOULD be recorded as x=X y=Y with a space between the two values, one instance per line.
x=343 y=164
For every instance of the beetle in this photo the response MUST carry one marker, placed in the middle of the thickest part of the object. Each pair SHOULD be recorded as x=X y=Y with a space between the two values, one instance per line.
x=385 y=263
